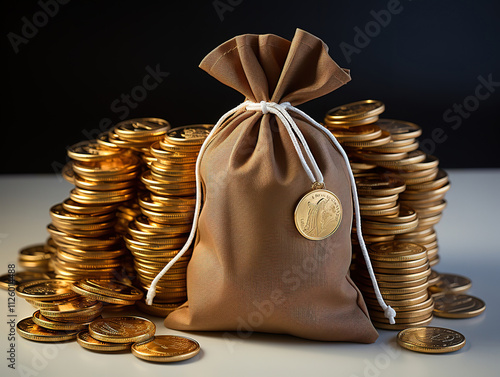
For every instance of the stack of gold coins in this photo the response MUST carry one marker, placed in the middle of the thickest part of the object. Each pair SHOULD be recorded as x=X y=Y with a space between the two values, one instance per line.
x=382 y=215
x=35 y=258
x=167 y=207
x=427 y=199
x=401 y=199
x=136 y=136
x=83 y=226
x=402 y=270
x=87 y=244
x=385 y=147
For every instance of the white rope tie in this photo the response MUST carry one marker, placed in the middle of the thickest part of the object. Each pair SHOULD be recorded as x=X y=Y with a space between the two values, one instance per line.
x=282 y=112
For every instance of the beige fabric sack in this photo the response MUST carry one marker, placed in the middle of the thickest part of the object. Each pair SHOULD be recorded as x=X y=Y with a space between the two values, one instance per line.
x=251 y=269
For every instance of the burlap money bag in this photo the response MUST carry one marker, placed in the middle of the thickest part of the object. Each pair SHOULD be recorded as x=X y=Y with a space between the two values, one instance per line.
x=251 y=269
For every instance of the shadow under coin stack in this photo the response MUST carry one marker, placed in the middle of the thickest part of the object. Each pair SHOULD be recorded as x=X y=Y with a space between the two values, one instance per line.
x=401 y=199
x=167 y=206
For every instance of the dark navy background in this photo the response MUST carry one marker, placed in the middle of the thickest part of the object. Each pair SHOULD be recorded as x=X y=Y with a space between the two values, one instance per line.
x=66 y=81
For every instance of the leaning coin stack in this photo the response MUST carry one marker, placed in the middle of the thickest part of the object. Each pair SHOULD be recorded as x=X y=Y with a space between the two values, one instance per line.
x=402 y=270
x=167 y=207
x=389 y=148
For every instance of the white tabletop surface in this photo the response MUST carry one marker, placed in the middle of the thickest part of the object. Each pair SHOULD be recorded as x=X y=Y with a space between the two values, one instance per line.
x=468 y=238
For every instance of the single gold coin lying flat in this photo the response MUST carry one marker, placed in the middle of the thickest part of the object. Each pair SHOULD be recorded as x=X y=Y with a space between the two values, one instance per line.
x=45 y=290
x=450 y=305
x=431 y=339
x=166 y=348
x=318 y=214
x=28 y=329
x=451 y=283
x=122 y=329
x=86 y=341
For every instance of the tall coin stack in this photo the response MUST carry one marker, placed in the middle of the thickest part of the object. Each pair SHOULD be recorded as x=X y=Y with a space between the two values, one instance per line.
x=401 y=199
x=83 y=225
x=167 y=207
x=134 y=135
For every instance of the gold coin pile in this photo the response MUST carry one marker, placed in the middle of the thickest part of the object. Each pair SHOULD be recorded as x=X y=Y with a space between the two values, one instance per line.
x=167 y=207
x=111 y=334
x=87 y=228
x=402 y=270
x=60 y=313
x=136 y=334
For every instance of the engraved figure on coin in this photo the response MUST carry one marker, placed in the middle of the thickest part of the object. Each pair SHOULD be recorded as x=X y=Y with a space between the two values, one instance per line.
x=319 y=216
x=191 y=133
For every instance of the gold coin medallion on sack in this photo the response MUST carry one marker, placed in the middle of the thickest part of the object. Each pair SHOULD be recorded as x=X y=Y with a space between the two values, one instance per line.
x=318 y=214
x=431 y=339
